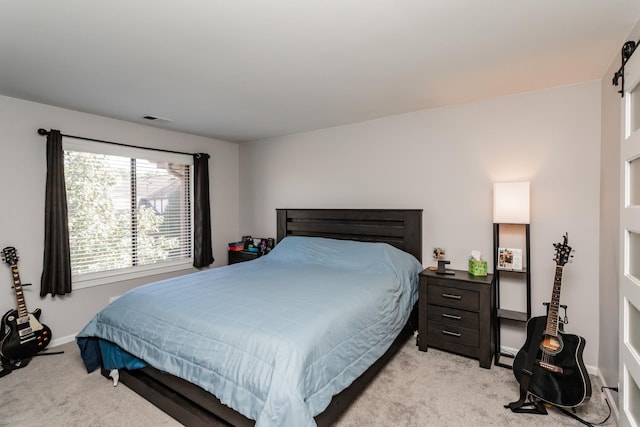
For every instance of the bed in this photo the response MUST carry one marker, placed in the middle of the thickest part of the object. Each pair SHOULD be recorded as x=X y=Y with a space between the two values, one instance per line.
x=289 y=376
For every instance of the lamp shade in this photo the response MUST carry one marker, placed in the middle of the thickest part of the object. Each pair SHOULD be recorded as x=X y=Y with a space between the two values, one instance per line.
x=511 y=203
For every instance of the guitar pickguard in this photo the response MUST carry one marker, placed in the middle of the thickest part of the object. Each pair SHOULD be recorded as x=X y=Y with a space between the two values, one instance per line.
x=32 y=321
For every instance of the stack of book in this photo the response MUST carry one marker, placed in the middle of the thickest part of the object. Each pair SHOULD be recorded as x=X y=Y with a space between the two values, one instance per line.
x=236 y=246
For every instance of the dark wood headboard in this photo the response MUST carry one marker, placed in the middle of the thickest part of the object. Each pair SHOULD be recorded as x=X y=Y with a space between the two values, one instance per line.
x=401 y=228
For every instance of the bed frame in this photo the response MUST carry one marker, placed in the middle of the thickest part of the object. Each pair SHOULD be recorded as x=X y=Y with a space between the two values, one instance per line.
x=401 y=228
x=191 y=405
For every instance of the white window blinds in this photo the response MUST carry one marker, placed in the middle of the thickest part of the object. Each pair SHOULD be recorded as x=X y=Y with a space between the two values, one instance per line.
x=127 y=207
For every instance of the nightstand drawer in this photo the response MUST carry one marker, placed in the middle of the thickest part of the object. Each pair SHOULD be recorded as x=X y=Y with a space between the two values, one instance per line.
x=452 y=316
x=440 y=332
x=453 y=297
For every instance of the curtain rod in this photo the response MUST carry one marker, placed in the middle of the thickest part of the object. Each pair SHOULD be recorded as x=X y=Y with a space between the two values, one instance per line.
x=45 y=132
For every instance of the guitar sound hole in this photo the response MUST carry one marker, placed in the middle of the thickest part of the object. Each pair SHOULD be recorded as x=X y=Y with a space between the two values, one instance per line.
x=551 y=345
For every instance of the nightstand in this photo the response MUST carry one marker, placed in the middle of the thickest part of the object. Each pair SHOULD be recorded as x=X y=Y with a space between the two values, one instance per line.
x=456 y=314
x=241 y=256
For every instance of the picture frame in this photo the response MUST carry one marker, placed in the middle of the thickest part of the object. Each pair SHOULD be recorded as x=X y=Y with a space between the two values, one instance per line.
x=510 y=259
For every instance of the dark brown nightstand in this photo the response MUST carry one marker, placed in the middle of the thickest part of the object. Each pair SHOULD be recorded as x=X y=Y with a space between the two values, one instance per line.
x=456 y=314
x=241 y=256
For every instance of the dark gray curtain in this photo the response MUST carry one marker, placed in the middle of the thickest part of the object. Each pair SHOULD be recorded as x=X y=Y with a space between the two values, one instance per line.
x=56 y=270
x=202 y=252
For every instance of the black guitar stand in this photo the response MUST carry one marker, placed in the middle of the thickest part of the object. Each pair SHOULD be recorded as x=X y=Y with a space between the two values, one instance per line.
x=520 y=406
x=7 y=366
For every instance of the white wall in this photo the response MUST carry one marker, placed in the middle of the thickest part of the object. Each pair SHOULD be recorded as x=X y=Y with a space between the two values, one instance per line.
x=444 y=161
x=609 y=229
x=22 y=175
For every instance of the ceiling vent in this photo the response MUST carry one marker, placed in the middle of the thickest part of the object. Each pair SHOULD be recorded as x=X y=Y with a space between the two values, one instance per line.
x=157 y=119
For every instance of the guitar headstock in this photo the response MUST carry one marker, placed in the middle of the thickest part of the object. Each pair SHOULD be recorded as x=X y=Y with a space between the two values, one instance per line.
x=9 y=255
x=563 y=251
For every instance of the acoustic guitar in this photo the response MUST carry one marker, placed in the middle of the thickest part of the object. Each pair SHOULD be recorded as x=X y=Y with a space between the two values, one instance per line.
x=24 y=335
x=558 y=375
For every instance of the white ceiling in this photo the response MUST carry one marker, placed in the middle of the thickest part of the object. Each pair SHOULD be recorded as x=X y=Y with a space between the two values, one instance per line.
x=249 y=69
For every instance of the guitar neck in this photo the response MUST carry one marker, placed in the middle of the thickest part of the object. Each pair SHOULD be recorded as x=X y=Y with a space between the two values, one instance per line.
x=554 y=305
x=17 y=286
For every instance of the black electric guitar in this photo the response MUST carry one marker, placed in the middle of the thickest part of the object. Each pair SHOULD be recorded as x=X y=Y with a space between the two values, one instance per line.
x=558 y=375
x=24 y=335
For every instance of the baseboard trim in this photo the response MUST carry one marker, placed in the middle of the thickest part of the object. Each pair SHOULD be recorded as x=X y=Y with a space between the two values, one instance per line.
x=611 y=398
x=62 y=340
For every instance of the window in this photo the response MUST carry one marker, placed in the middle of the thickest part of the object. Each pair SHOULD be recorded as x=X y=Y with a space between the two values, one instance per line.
x=129 y=210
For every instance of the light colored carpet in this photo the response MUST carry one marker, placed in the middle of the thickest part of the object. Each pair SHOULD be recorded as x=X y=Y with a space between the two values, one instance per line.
x=415 y=389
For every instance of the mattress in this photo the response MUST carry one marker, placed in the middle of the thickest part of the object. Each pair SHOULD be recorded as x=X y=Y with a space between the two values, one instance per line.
x=275 y=338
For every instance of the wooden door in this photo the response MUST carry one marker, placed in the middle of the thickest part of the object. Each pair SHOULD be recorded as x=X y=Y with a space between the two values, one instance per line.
x=629 y=343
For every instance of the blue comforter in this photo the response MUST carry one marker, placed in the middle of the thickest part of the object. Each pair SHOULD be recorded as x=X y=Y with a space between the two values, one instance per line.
x=275 y=338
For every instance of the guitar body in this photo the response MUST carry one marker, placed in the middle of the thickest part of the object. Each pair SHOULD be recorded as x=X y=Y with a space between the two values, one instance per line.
x=24 y=336
x=568 y=386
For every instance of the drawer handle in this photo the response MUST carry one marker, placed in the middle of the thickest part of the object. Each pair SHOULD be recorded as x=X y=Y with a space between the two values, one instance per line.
x=450 y=296
x=453 y=334
x=451 y=316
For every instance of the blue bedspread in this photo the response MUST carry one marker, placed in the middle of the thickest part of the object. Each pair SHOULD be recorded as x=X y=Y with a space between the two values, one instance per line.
x=273 y=338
